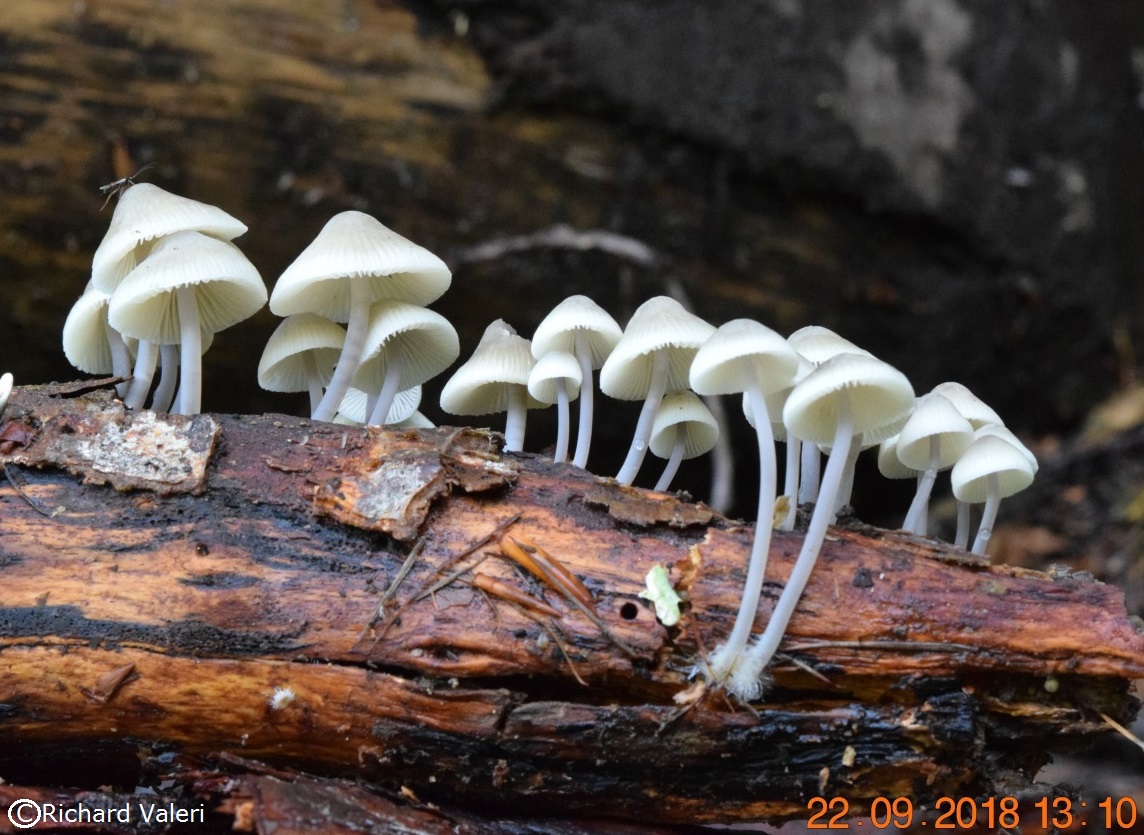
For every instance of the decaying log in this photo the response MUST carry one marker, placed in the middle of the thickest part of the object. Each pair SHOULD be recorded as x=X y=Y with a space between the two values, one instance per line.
x=303 y=594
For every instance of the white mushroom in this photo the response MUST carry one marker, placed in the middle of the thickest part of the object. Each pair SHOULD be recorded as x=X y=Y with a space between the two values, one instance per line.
x=582 y=328
x=6 y=381
x=932 y=439
x=653 y=357
x=556 y=378
x=354 y=262
x=684 y=428
x=300 y=355
x=188 y=284
x=90 y=343
x=405 y=346
x=994 y=467
x=495 y=379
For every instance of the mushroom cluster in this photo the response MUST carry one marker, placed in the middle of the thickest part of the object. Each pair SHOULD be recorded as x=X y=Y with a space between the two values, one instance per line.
x=167 y=277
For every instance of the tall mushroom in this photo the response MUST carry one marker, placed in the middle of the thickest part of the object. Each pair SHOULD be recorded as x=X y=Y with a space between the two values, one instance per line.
x=932 y=439
x=746 y=356
x=652 y=357
x=495 y=379
x=582 y=328
x=187 y=284
x=354 y=262
x=847 y=394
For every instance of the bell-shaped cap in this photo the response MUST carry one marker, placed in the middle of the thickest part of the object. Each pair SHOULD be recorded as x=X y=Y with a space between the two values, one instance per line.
x=817 y=344
x=227 y=287
x=933 y=417
x=144 y=213
x=573 y=317
x=300 y=343
x=550 y=369
x=740 y=354
x=1001 y=432
x=483 y=385
x=971 y=407
x=353 y=246
x=879 y=396
x=661 y=324
x=991 y=455
x=683 y=411
x=423 y=340
x=889 y=464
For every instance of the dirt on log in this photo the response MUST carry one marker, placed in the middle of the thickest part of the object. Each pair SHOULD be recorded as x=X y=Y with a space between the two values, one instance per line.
x=341 y=601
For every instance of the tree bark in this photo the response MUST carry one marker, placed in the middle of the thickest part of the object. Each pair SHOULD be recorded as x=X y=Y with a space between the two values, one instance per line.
x=305 y=594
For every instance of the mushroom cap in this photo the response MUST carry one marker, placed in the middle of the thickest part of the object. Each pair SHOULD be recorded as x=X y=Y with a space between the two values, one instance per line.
x=577 y=315
x=880 y=396
x=740 y=354
x=990 y=455
x=424 y=340
x=353 y=246
x=85 y=333
x=684 y=412
x=414 y=421
x=817 y=344
x=889 y=465
x=143 y=213
x=933 y=417
x=285 y=363
x=550 y=368
x=484 y=383
x=1002 y=432
x=659 y=324
x=226 y=284
x=354 y=405
x=972 y=408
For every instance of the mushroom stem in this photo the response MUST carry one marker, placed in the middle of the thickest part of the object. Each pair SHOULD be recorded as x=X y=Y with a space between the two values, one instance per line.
x=5 y=391
x=313 y=381
x=352 y=349
x=988 y=515
x=190 y=352
x=756 y=658
x=584 y=430
x=120 y=357
x=673 y=461
x=961 y=539
x=389 y=390
x=168 y=378
x=725 y=660
x=790 y=485
x=811 y=462
x=638 y=450
x=515 y=420
x=562 y=419
x=846 y=486
x=916 y=521
x=145 y=359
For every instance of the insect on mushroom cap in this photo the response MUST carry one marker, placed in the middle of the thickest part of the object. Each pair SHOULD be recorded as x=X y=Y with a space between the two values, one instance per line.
x=354 y=246
x=144 y=213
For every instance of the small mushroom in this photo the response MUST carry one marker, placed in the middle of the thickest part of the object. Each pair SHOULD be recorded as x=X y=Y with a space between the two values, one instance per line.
x=582 y=328
x=188 y=284
x=652 y=358
x=6 y=381
x=684 y=428
x=495 y=379
x=406 y=345
x=556 y=378
x=300 y=355
x=355 y=409
x=932 y=439
x=995 y=466
x=354 y=262
x=90 y=343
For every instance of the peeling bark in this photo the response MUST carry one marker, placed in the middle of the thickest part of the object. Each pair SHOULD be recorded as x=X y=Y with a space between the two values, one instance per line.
x=138 y=613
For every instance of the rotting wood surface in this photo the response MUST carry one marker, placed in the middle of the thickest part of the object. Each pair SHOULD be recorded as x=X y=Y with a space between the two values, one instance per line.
x=164 y=605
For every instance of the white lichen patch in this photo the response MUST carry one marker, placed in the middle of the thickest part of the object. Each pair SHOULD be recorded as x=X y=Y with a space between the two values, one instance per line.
x=147 y=448
x=281 y=697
